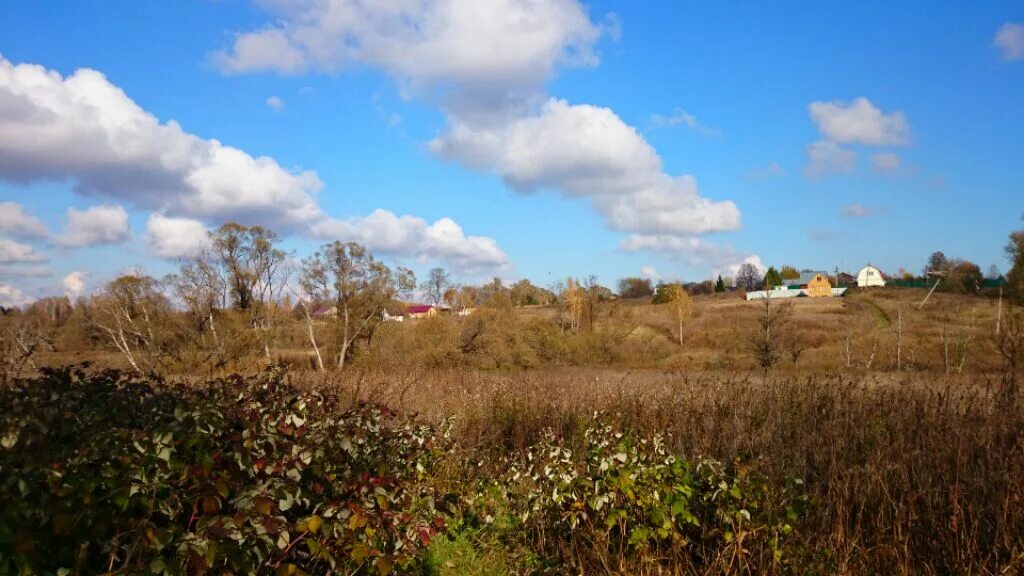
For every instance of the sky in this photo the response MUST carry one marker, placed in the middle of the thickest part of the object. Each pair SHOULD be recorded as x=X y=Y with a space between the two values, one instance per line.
x=533 y=139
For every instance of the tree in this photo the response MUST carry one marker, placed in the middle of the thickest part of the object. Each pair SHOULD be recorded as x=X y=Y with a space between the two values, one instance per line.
x=133 y=314
x=1015 y=253
x=772 y=278
x=720 y=284
x=635 y=287
x=200 y=287
x=251 y=261
x=680 y=305
x=766 y=343
x=435 y=285
x=524 y=293
x=360 y=287
x=789 y=273
x=964 y=277
x=748 y=277
x=573 y=298
x=22 y=337
x=937 y=262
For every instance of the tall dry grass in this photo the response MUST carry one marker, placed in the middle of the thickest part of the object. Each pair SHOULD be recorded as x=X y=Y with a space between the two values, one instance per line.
x=907 y=475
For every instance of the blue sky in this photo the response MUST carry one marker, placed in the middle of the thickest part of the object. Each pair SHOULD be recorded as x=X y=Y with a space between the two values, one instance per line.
x=563 y=146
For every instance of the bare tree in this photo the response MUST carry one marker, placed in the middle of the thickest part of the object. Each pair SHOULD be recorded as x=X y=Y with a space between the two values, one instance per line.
x=133 y=314
x=765 y=343
x=20 y=340
x=748 y=277
x=359 y=287
x=200 y=287
x=435 y=286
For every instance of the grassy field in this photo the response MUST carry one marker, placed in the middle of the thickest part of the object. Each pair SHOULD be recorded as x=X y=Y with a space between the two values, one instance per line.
x=525 y=448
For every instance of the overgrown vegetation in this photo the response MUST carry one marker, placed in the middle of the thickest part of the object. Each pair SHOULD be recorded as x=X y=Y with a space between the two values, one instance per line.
x=536 y=474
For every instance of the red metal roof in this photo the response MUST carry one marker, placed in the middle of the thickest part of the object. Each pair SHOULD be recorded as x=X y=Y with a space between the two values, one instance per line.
x=419 y=309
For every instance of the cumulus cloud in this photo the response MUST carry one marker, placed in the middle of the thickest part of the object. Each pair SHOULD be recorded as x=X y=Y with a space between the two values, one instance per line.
x=695 y=252
x=1010 y=41
x=886 y=162
x=84 y=128
x=480 y=55
x=681 y=117
x=173 y=238
x=74 y=284
x=825 y=156
x=12 y=252
x=275 y=103
x=857 y=211
x=386 y=233
x=33 y=271
x=486 y=63
x=14 y=221
x=11 y=296
x=585 y=151
x=860 y=122
x=95 y=226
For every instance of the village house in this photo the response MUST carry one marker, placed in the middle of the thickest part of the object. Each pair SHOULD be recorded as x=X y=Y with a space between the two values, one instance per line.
x=809 y=285
x=418 y=311
x=870 y=277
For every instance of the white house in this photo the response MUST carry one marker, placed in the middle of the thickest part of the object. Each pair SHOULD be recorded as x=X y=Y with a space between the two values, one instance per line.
x=870 y=276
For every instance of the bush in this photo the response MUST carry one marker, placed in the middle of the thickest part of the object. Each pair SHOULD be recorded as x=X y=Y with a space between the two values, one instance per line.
x=104 y=473
x=626 y=502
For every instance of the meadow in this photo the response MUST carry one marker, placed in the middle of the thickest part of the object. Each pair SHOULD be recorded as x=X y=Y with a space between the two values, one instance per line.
x=887 y=438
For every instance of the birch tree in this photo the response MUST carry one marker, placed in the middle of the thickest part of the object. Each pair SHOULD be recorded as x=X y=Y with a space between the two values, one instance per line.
x=681 y=306
x=347 y=275
x=133 y=314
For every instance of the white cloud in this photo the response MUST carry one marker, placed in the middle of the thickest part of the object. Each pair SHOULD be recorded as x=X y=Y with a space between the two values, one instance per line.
x=694 y=252
x=34 y=271
x=12 y=252
x=587 y=151
x=483 y=55
x=825 y=156
x=886 y=162
x=275 y=103
x=486 y=63
x=681 y=117
x=11 y=296
x=649 y=272
x=1010 y=40
x=14 y=221
x=386 y=233
x=176 y=237
x=860 y=122
x=84 y=128
x=74 y=284
x=857 y=211
x=95 y=226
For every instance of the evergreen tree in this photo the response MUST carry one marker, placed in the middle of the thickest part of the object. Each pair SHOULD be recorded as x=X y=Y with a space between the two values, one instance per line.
x=719 y=285
x=772 y=278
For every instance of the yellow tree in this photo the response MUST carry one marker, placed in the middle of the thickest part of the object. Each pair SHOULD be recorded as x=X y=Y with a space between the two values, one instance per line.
x=680 y=305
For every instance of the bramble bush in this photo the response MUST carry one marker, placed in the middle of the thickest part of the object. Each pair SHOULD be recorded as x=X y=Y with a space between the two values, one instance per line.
x=106 y=473
x=626 y=502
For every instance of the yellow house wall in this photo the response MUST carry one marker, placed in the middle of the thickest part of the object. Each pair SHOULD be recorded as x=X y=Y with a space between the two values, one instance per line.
x=819 y=287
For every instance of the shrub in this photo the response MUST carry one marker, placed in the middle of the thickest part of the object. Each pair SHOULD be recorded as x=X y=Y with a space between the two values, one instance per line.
x=626 y=501
x=104 y=473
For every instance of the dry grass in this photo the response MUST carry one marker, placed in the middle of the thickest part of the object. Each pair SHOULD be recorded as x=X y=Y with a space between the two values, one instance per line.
x=908 y=474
